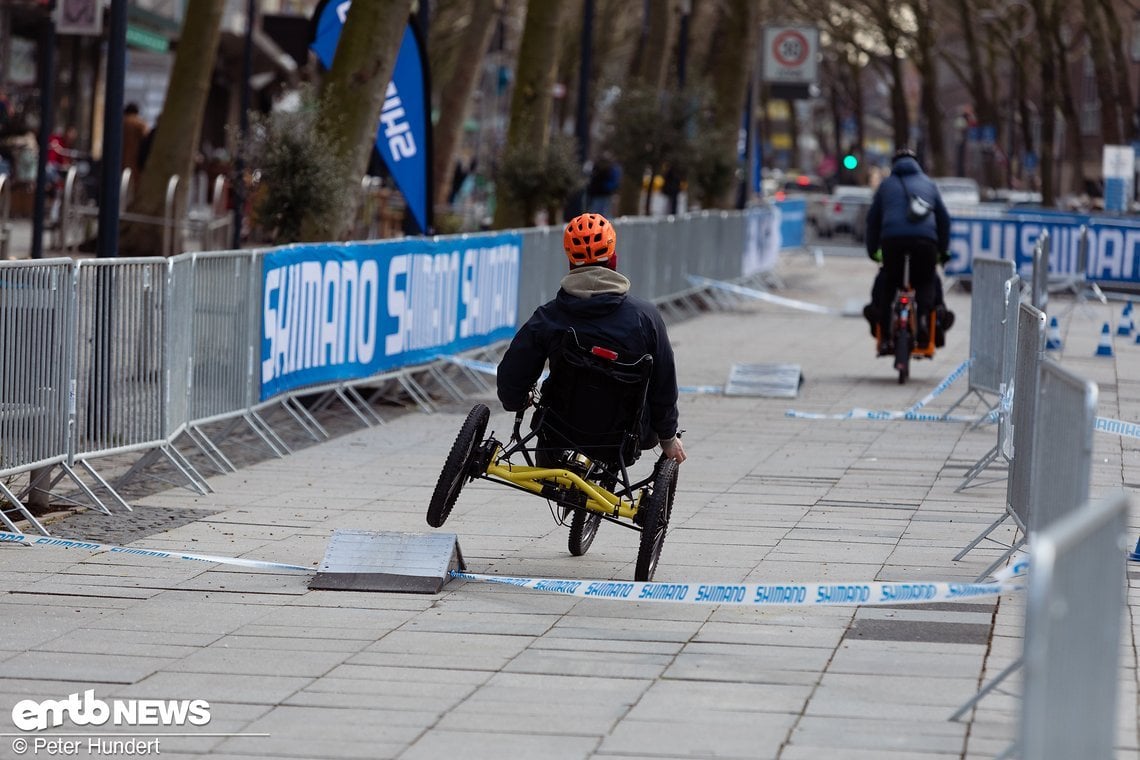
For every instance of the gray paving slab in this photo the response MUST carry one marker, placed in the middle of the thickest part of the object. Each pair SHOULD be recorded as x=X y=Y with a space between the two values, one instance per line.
x=490 y=671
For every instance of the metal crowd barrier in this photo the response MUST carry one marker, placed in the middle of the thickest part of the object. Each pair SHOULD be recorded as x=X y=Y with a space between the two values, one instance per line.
x=987 y=310
x=36 y=309
x=1011 y=299
x=1071 y=648
x=1028 y=357
x=1062 y=445
x=1078 y=283
x=656 y=254
x=126 y=357
x=1031 y=341
x=1059 y=470
x=224 y=310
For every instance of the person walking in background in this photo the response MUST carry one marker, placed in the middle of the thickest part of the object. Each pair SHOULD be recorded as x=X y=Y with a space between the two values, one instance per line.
x=604 y=180
x=134 y=133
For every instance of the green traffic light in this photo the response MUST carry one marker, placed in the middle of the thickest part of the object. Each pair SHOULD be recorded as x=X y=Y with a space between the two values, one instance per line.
x=850 y=162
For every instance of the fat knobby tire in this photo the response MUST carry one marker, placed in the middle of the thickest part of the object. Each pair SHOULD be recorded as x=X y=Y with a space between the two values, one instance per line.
x=658 y=508
x=583 y=528
x=456 y=468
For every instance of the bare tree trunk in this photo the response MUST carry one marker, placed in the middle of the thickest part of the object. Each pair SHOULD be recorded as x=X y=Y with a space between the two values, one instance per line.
x=531 y=100
x=1121 y=64
x=702 y=25
x=175 y=142
x=650 y=66
x=925 y=50
x=353 y=95
x=900 y=119
x=455 y=93
x=730 y=80
x=1111 y=127
x=1047 y=29
x=1068 y=106
x=983 y=103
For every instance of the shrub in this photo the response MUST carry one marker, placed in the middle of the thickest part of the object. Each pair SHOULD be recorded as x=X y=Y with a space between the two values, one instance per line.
x=293 y=166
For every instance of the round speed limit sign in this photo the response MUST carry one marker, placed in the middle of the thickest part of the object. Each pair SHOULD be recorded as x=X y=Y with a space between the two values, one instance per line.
x=790 y=54
x=790 y=48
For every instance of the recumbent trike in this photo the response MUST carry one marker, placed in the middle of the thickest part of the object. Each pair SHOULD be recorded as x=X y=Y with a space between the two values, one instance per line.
x=579 y=461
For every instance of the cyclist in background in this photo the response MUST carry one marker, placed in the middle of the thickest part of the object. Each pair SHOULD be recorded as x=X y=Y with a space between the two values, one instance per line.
x=907 y=215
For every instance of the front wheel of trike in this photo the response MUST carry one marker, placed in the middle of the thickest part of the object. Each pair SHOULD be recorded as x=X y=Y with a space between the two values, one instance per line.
x=658 y=507
x=457 y=467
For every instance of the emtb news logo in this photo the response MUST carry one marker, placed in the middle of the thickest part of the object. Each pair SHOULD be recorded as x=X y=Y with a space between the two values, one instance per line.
x=87 y=710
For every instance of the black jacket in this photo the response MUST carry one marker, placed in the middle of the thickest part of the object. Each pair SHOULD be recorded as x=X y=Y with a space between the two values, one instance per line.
x=595 y=302
x=887 y=217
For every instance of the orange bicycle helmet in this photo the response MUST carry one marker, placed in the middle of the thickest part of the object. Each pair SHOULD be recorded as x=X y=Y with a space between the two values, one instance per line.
x=589 y=239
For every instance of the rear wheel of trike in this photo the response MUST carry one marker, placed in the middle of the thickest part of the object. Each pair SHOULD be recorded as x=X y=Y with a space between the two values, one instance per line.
x=456 y=468
x=583 y=528
x=658 y=507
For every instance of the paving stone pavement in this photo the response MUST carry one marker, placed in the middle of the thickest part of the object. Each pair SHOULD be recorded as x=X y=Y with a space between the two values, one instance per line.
x=487 y=671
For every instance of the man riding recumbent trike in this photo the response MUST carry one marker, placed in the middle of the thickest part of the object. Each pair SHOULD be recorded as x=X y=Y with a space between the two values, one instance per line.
x=611 y=393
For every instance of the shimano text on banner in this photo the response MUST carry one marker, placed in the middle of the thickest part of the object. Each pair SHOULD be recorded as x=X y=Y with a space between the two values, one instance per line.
x=336 y=312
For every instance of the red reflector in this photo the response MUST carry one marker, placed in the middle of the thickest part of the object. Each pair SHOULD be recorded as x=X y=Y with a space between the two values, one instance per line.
x=904 y=300
x=838 y=208
x=605 y=353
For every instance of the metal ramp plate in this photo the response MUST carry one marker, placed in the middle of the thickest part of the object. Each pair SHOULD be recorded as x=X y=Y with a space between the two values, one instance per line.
x=414 y=563
x=778 y=380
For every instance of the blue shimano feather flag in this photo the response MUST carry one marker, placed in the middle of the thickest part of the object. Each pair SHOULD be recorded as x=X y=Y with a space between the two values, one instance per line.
x=403 y=136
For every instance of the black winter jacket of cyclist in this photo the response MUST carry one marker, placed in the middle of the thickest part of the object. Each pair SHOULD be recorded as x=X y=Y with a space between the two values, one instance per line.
x=596 y=303
x=887 y=217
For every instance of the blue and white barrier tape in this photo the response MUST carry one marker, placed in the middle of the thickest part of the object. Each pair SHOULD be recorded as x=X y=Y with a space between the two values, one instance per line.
x=859 y=413
x=69 y=543
x=744 y=594
x=708 y=390
x=942 y=386
x=758 y=594
x=912 y=414
x=763 y=295
x=1117 y=427
x=485 y=368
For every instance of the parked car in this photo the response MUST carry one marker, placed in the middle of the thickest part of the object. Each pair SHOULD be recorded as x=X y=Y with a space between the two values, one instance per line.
x=845 y=210
x=958 y=191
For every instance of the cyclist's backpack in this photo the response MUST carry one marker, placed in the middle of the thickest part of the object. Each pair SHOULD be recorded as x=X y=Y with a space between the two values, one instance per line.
x=917 y=208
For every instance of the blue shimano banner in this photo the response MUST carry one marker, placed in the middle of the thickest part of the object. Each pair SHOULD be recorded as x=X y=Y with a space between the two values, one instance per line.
x=403 y=137
x=334 y=312
x=1113 y=244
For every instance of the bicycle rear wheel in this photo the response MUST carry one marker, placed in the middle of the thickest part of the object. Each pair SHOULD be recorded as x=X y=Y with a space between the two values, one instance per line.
x=903 y=343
